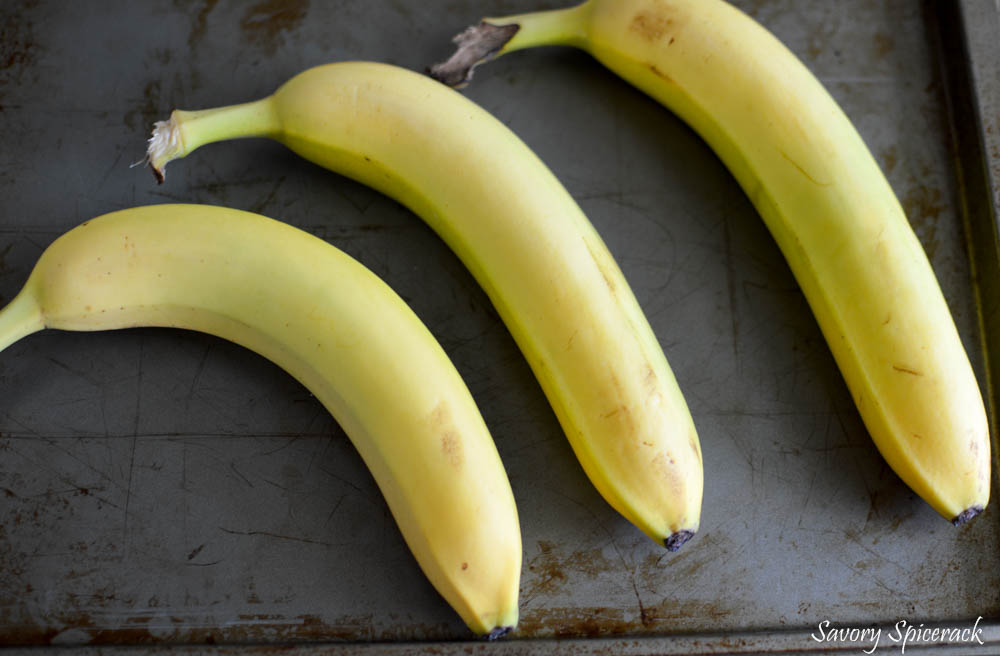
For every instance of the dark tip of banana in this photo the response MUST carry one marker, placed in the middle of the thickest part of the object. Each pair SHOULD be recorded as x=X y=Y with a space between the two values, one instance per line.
x=498 y=632
x=677 y=540
x=966 y=515
x=157 y=173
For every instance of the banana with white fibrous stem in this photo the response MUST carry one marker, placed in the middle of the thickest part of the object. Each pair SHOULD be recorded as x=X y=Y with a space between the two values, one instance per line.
x=824 y=199
x=338 y=329
x=524 y=238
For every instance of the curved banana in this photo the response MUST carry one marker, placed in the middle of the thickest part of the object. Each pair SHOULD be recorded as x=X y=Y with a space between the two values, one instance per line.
x=337 y=328
x=824 y=199
x=520 y=233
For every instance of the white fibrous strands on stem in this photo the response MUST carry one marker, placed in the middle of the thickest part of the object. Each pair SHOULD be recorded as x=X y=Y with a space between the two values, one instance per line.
x=164 y=143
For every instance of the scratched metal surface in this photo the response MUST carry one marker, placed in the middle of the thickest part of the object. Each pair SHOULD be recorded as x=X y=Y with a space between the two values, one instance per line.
x=163 y=487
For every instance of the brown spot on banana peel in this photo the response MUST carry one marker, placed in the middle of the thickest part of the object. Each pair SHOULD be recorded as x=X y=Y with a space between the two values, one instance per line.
x=649 y=26
x=694 y=447
x=609 y=277
x=622 y=415
x=656 y=22
x=651 y=380
x=452 y=447
x=906 y=370
x=660 y=74
x=451 y=441
x=569 y=344
x=666 y=467
x=476 y=45
x=608 y=415
x=803 y=171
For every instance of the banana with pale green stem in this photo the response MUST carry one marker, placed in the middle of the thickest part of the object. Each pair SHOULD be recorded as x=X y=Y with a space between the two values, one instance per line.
x=338 y=329
x=824 y=199
x=546 y=270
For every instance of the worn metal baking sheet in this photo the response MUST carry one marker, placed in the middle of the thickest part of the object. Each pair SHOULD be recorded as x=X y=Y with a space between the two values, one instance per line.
x=974 y=85
x=168 y=488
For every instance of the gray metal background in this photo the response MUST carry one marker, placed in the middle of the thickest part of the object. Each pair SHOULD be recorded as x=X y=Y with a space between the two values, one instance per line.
x=164 y=487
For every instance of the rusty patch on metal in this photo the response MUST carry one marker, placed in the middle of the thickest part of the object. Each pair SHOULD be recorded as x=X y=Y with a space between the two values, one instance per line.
x=77 y=627
x=884 y=44
x=889 y=159
x=604 y=622
x=200 y=23
x=264 y=23
x=549 y=568
x=142 y=116
x=923 y=206
x=18 y=46
x=17 y=41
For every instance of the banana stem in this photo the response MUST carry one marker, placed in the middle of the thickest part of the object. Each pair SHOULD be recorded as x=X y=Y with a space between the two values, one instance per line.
x=555 y=27
x=21 y=317
x=186 y=131
x=498 y=36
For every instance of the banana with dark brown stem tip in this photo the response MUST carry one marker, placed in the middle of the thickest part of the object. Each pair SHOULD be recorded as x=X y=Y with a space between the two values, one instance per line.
x=546 y=270
x=825 y=201
x=341 y=332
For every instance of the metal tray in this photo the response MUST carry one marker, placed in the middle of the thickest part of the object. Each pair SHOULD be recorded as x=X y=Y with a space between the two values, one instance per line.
x=166 y=488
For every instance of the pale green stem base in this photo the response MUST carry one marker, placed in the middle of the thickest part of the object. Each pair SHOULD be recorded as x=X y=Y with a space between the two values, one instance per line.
x=555 y=27
x=20 y=318
x=187 y=130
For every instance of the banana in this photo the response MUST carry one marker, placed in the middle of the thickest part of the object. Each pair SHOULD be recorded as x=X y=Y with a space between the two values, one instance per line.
x=338 y=329
x=546 y=270
x=823 y=198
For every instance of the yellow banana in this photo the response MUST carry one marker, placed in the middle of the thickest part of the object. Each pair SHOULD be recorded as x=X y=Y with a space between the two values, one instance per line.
x=546 y=270
x=824 y=199
x=339 y=330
